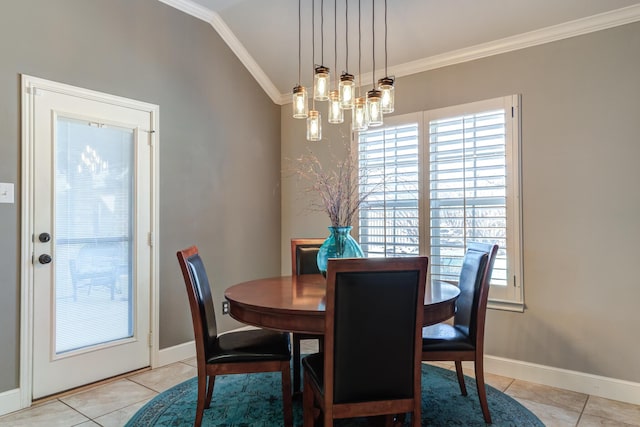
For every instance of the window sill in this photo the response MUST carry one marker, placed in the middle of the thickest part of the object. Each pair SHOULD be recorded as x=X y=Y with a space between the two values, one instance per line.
x=506 y=305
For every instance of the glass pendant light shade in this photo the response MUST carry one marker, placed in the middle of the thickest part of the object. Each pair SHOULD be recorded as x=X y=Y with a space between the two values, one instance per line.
x=300 y=105
x=314 y=126
x=346 y=91
x=385 y=85
x=321 y=83
x=374 y=109
x=359 y=120
x=336 y=115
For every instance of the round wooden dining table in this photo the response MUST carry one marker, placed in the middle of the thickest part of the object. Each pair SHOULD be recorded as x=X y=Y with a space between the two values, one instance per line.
x=297 y=303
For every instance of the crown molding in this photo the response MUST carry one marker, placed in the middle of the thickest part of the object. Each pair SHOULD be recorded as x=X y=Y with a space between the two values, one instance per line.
x=191 y=8
x=562 y=31
x=261 y=77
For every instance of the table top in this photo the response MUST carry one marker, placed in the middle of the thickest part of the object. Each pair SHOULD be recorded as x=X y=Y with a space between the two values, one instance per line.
x=297 y=303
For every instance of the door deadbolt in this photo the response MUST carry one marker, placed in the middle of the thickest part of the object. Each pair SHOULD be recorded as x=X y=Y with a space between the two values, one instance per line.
x=44 y=237
x=44 y=259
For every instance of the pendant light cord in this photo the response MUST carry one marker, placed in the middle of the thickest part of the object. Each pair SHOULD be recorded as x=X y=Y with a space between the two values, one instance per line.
x=321 y=32
x=346 y=34
x=359 y=47
x=299 y=39
x=335 y=42
x=386 y=73
x=373 y=41
x=313 y=52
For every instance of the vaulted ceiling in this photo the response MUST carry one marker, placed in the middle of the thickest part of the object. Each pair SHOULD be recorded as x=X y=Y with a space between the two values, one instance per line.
x=421 y=34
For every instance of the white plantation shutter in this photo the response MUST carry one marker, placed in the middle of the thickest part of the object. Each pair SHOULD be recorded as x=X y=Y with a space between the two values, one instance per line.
x=473 y=191
x=467 y=189
x=389 y=217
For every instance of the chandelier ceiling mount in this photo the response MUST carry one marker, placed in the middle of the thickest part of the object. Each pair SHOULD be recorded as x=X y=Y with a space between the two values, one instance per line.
x=341 y=91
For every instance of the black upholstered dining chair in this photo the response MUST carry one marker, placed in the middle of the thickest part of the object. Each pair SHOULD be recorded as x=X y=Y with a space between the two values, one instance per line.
x=464 y=340
x=234 y=352
x=372 y=344
x=304 y=253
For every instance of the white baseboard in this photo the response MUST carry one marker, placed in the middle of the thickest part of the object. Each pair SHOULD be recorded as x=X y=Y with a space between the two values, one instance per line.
x=184 y=351
x=10 y=401
x=176 y=353
x=609 y=388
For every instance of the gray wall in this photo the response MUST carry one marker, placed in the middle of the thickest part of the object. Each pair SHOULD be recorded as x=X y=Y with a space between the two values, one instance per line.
x=219 y=140
x=580 y=175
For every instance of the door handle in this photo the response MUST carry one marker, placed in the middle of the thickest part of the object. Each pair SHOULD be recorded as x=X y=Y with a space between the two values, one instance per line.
x=44 y=237
x=44 y=259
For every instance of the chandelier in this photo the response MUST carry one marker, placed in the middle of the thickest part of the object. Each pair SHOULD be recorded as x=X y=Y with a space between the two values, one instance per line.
x=345 y=96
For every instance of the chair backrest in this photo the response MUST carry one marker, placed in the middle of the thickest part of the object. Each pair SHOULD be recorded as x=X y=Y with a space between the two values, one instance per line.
x=373 y=325
x=200 y=302
x=304 y=254
x=475 y=277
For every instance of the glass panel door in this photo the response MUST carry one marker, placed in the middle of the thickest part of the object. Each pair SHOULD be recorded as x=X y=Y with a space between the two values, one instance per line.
x=91 y=187
x=93 y=234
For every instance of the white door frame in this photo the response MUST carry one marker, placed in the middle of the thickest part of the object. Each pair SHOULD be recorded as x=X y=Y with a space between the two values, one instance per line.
x=29 y=90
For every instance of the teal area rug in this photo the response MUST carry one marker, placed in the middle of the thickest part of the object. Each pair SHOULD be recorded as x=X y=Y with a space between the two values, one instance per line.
x=254 y=400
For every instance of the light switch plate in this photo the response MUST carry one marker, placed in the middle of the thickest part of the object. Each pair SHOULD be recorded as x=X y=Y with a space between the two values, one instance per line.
x=6 y=192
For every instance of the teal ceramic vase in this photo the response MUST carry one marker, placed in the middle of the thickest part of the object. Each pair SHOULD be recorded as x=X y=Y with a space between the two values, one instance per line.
x=339 y=244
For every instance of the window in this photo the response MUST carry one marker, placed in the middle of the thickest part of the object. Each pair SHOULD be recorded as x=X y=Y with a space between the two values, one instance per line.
x=388 y=164
x=463 y=187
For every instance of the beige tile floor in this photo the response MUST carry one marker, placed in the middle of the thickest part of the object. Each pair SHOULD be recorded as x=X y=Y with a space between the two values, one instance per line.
x=112 y=403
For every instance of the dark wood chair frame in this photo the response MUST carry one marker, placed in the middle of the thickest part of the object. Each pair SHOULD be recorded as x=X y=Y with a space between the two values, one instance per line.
x=476 y=355
x=297 y=337
x=324 y=399
x=207 y=371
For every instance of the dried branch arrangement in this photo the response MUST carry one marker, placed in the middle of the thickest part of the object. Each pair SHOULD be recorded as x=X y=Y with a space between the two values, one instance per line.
x=335 y=191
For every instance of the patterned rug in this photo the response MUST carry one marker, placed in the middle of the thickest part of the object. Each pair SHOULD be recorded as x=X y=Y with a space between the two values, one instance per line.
x=255 y=401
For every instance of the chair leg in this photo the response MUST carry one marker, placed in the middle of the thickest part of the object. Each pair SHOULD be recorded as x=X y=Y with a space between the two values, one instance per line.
x=327 y=415
x=307 y=405
x=202 y=391
x=212 y=379
x=460 y=374
x=416 y=417
x=296 y=363
x=287 y=404
x=482 y=390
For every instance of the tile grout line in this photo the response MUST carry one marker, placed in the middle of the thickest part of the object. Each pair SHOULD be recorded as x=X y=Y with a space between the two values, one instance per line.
x=126 y=378
x=583 y=408
x=508 y=385
x=88 y=418
x=86 y=387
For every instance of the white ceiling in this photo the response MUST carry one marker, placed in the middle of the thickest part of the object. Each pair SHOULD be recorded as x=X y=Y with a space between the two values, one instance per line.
x=422 y=34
